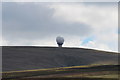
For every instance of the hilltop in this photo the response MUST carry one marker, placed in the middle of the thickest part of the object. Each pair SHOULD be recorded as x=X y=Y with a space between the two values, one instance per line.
x=15 y=58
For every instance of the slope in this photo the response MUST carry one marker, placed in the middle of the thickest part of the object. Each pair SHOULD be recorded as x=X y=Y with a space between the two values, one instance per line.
x=15 y=58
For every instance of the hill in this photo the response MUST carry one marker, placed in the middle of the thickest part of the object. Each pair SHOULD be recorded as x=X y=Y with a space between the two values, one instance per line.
x=88 y=72
x=15 y=58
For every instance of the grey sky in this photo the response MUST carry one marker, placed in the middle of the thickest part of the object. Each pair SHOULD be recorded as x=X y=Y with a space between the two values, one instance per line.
x=40 y=23
x=30 y=21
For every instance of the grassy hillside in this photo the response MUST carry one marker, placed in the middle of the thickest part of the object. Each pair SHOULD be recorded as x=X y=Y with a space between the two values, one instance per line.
x=88 y=72
x=28 y=57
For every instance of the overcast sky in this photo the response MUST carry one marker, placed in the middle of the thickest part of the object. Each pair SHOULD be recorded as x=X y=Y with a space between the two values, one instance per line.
x=89 y=25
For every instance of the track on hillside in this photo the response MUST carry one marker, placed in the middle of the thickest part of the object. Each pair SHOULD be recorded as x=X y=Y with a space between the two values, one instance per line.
x=88 y=72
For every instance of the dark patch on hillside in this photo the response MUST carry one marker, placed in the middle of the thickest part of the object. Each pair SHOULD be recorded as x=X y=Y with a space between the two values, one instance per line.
x=29 y=57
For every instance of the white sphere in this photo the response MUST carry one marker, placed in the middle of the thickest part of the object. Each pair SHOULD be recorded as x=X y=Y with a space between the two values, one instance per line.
x=60 y=41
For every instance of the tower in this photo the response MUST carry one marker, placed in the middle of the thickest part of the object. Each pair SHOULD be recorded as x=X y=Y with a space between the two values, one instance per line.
x=60 y=41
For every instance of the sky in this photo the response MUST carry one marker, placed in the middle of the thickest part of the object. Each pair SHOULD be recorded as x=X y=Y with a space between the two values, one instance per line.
x=82 y=24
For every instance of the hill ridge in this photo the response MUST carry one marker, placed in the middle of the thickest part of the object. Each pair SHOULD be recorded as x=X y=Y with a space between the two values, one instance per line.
x=31 y=57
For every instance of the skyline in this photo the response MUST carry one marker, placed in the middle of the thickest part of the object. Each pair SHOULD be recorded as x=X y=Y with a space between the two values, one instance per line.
x=86 y=25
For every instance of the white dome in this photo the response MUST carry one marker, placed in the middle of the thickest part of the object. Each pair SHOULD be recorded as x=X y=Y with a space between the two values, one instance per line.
x=60 y=39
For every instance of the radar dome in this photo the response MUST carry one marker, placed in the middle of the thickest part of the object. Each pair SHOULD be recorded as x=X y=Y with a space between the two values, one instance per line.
x=60 y=41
